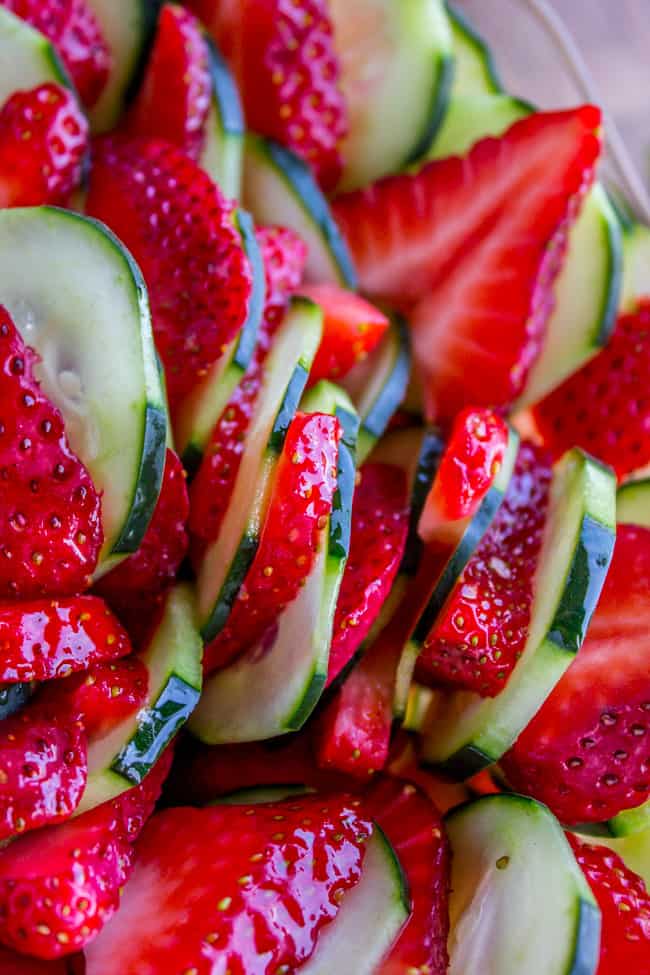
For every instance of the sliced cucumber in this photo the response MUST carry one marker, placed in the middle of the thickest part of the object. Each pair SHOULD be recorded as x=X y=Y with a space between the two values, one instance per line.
x=79 y=299
x=223 y=153
x=396 y=71
x=229 y=557
x=519 y=901
x=123 y=757
x=465 y=732
x=279 y=189
x=475 y=72
x=370 y=918
x=27 y=59
x=418 y=703
x=13 y=697
x=200 y=410
x=634 y=850
x=636 y=265
x=633 y=503
x=473 y=117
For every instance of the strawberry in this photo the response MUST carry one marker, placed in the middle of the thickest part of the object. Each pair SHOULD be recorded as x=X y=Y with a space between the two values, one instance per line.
x=380 y=521
x=73 y=29
x=174 y=99
x=182 y=233
x=50 y=532
x=240 y=888
x=624 y=906
x=284 y=254
x=585 y=753
x=413 y=826
x=13 y=964
x=107 y=694
x=469 y=249
x=603 y=406
x=297 y=516
x=49 y=121
x=283 y=56
x=404 y=764
x=44 y=639
x=482 y=629
x=352 y=328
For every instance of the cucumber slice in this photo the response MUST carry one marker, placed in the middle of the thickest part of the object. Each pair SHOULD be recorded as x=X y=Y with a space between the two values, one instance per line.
x=200 y=410
x=13 y=697
x=633 y=503
x=519 y=901
x=27 y=59
x=465 y=732
x=475 y=72
x=634 y=850
x=394 y=54
x=418 y=703
x=280 y=189
x=223 y=153
x=86 y=313
x=636 y=265
x=370 y=918
x=473 y=117
x=123 y=757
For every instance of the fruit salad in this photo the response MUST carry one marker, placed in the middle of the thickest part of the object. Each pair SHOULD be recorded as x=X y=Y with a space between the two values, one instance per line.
x=324 y=501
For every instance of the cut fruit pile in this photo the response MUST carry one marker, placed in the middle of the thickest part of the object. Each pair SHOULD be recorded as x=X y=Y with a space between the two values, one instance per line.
x=324 y=516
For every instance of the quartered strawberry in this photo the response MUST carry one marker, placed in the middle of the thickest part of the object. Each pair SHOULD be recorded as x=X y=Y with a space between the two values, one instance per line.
x=482 y=629
x=72 y=27
x=50 y=529
x=107 y=693
x=182 y=233
x=603 y=407
x=283 y=55
x=174 y=99
x=624 y=906
x=414 y=828
x=352 y=327
x=296 y=518
x=469 y=249
x=239 y=888
x=43 y=146
x=585 y=753
x=380 y=521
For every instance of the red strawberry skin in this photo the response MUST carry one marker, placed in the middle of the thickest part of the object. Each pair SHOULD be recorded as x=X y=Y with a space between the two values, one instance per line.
x=49 y=121
x=603 y=406
x=50 y=522
x=182 y=233
x=279 y=870
x=284 y=255
x=107 y=694
x=468 y=248
x=624 y=906
x=585 y=753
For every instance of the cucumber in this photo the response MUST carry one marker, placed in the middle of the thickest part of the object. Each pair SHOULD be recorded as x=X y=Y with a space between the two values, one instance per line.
x=229 y=557
x=519 y=901
x=260 y=794
x=396 y=71
x=201 y=409
x=633 y=503
x=280 y=189
x=634 y=850
x=475 y=72
x=123 y=757
x=27 y=59
x=418 y=702
x=636 y=265
x=223 y=153
x=465 y=733
x=473 y=117
x=370 y=918
x=13 y=697
x=79 y=299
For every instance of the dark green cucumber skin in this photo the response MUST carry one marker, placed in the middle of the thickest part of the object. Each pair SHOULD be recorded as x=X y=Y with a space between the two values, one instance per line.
x=615 y=274
x=288 y=409
x=465 y=763
x=150 y=9
x=248 y=335
x=477 y=41
x=13 y=697
x=394 y=389
x=433 y=447
x=225 y=92
x=439 y=102
x=587 y=953
x=341 y=517
x=150 y=476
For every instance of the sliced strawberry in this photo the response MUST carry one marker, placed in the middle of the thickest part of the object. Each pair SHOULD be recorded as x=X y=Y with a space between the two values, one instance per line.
x=482 y=629
x=413 y=826
x=380 y=521
x=255 y=885
x=107 y=694
x=603 y=407
x=285 y=255
x=49 y=120
x=73 y=29
x=50 y=529
x=624 y=906
x=469 y=249
x=352 y=327
x=585 y=753
x=284 y=58
x=297 y=516
x=174 y=99
x=181 y=231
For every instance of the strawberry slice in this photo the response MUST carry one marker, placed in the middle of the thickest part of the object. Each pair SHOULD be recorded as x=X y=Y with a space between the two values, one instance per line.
x=585 y=753
x=182 y=233
x=297 y=516
x=482 y=629
x=624 y=906
x=72 y=27
x=469 y=249
x=352 y=327
x=174 y=99
x=255 y=885
x=284 y=58
x=603 y=407
x=50 y=121
x=50 y=529
x=380 y=521
x=107 y=694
